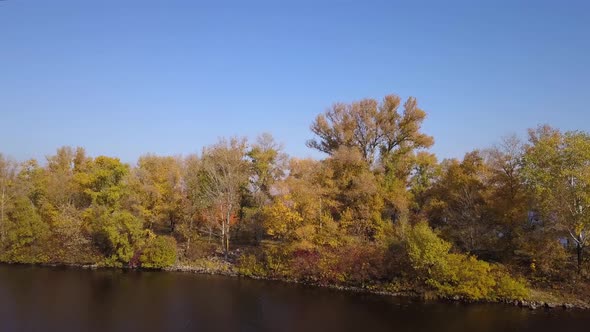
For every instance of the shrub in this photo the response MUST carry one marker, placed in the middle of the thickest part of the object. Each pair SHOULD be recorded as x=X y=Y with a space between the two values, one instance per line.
x=451 y=274
x=304 y=265
x=509 y=288
x=159 y=253
x=464 y=276
x=249 y=266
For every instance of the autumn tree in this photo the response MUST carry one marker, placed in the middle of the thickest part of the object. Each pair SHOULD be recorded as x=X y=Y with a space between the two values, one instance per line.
x=61 y=201
x=506 y=195
x=116 y=232
x=8 y=172
x=356 y=193
x=62 y=189
x=268 y=165
x=224 y=175
x=103 y=183
x=25 y=233
x=375 y=129
x=387 y=135
x=458 y=202
x=268 y=162
x=160 y=189
x=556 y=168
x=424 y=173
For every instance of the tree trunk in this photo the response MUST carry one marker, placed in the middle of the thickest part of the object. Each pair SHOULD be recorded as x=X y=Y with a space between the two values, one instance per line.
x=579 y=250
x=223 y=236
x=226 y=244
x=189 y=236
x=2 y=204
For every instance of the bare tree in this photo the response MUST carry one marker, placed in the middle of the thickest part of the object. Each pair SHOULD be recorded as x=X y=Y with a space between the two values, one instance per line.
x=224 y=175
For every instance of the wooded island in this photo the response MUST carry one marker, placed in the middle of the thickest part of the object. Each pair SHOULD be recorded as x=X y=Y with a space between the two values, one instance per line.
x=380 y=212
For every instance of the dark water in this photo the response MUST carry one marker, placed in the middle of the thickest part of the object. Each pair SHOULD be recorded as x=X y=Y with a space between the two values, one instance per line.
x=49 y=299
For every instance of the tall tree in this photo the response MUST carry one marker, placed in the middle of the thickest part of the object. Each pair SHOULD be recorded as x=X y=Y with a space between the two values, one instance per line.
x=224 y=175
x=506 y=194
x=269 y=163
x=355 y=190
x=557 y=170
x=161 y=188
x=458 y=202
x=103 y=183
x=8 y=173
x=375 y=129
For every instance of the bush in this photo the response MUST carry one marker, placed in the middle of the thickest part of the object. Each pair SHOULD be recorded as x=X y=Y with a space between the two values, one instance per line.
x=304 y=265
x=451 y=274
x=159 y=253
x=464 y=276
x=249 y=266
x=509 y=288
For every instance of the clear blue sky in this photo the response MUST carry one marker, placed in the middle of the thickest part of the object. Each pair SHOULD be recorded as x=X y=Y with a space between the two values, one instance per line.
x=124 y=78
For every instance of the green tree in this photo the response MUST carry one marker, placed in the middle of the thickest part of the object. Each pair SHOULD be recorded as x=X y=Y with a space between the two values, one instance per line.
x=103 y=183
x=556 y=168
x=25 y=233
x=119 y=235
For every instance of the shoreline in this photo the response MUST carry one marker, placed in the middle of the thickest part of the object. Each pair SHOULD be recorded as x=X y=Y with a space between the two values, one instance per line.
x=410 y=294
x=413 y=294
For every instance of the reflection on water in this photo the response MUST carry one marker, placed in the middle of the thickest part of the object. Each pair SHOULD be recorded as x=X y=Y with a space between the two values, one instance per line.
x=51 y=299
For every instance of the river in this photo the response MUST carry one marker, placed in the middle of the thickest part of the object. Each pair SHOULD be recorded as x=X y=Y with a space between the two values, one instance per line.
x=67 y=299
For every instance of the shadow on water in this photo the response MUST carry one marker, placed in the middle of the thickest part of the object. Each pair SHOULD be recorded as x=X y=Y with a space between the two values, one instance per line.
x=67 y=299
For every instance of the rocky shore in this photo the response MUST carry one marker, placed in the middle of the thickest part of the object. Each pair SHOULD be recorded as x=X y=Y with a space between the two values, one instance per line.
x=525 y=304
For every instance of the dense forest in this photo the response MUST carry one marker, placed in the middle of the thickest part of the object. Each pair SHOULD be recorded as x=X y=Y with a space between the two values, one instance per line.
x=380 y=212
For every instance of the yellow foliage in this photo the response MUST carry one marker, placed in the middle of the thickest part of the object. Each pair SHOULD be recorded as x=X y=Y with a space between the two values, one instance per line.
x=280 y=219
x=453 y=274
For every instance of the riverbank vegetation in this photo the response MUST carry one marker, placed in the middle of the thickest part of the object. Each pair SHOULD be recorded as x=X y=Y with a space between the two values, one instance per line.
x=380 y=212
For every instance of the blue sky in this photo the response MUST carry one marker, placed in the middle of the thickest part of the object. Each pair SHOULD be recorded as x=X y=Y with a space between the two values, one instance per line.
x=124 y=78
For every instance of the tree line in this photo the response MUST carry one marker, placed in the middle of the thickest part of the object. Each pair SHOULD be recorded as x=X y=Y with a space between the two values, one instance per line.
x=380 y=211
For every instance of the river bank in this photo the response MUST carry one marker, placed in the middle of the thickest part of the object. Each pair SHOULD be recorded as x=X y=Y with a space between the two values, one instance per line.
x=34 y=298
x=539 y=299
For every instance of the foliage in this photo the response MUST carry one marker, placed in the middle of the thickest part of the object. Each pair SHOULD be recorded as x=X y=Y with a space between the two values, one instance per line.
x=249 y=266
x=360 y=217
x=280 y=220
x=25 y=233
x=371 y=127
x=118 y=235
x=159 y=252
x=556 y=168
x=452 y=274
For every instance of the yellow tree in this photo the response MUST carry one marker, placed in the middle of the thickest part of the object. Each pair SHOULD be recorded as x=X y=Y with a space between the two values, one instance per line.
x=556 y=168
x=457 y=202
x=161 y=190
x=8 y=173
x=386 y=134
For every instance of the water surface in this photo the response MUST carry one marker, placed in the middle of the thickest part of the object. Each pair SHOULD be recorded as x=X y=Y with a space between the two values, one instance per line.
x=65 y=299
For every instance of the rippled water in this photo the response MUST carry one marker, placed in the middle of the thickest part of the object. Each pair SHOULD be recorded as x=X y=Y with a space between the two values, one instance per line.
x=54 y=299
